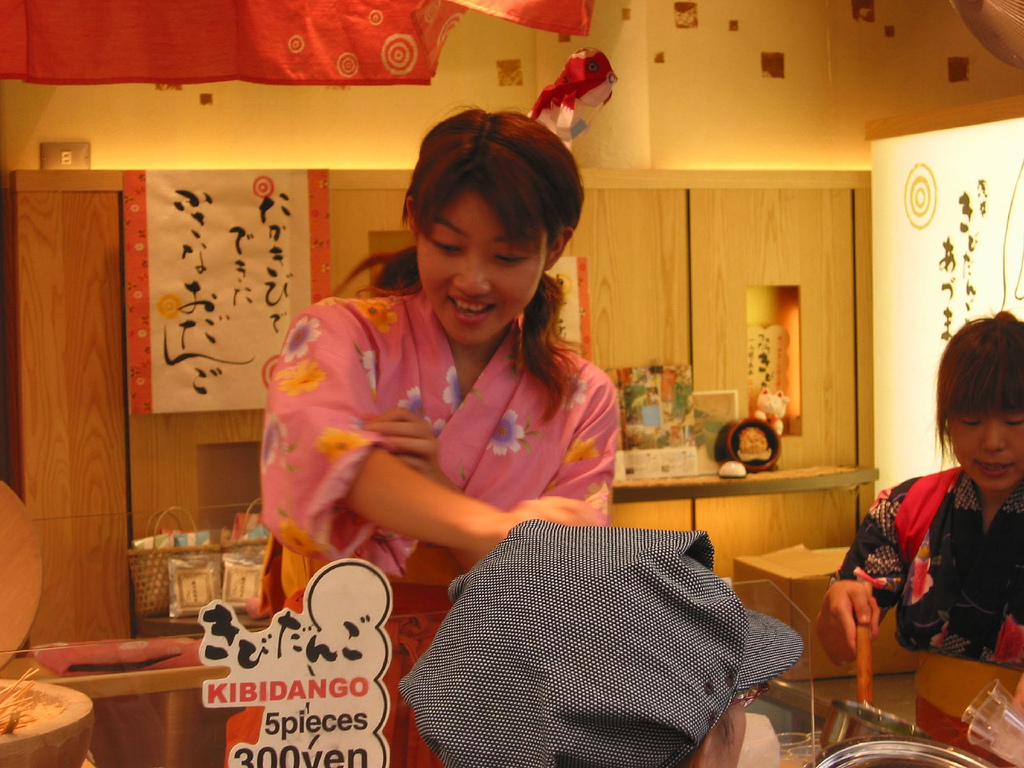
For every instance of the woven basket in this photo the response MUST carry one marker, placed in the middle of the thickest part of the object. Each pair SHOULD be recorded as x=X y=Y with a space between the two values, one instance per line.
x=252 y=547
x=148 y=567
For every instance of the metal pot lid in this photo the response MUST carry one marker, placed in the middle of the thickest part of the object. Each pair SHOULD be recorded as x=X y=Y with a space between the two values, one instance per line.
x=897 y=752
x=878 y=719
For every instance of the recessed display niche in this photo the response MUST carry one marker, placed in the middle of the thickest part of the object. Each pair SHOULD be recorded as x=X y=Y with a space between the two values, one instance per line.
x=773 y=355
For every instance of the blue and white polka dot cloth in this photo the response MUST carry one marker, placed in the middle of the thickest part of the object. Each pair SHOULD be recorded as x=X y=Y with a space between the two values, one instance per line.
x=572 y=646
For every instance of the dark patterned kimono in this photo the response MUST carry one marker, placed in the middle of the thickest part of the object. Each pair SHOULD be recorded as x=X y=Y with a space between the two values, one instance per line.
x=957 y=589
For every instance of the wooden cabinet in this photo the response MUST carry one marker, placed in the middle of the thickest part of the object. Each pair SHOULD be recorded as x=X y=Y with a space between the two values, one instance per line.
x=781 y=237
x=68 y=448
x=669 y=256
x=635 y=241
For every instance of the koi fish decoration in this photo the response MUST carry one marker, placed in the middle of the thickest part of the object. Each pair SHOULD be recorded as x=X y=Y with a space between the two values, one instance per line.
x=569 y=104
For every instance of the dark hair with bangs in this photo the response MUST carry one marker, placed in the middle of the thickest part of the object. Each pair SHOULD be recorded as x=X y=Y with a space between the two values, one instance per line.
x=519 y=167
x=531 y=181
x=981 y=372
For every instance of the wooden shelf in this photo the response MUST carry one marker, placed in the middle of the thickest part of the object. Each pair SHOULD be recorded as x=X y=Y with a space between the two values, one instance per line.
x=710 y=486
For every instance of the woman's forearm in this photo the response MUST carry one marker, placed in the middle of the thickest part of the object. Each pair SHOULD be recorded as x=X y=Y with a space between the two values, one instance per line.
x=389 y=493
x=392 y=495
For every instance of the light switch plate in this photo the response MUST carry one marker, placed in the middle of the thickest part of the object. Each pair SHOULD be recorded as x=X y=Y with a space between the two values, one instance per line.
x=64 y=156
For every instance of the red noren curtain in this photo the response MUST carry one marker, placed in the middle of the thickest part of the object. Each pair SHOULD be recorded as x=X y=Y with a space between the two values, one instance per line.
x=310 y=42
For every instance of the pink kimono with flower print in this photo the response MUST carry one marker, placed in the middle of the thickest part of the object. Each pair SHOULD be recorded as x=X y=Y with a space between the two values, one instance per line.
x=344 y=359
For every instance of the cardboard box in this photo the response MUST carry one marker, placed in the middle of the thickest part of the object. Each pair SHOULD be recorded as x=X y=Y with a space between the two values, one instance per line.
x=802 y=575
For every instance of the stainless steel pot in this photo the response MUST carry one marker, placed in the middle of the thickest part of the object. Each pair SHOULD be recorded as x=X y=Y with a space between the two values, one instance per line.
x=896 y=752
x=850 y=720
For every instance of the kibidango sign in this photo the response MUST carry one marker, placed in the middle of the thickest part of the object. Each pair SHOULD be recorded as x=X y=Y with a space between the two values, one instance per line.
x=318 y=675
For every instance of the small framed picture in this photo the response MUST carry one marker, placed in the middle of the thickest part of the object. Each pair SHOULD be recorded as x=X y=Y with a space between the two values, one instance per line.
x=752 y=443
x=713 y=412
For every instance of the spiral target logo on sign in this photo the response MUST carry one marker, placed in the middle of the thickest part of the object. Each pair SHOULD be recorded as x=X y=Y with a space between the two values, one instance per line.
x=168 y=306
x=263 y=186
x=296 y=44
x=920 y=196
x=399 y=54
x=348 y=65
x=267 y=372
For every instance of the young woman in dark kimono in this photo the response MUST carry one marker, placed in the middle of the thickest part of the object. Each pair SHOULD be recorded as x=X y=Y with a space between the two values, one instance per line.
x=947 y=550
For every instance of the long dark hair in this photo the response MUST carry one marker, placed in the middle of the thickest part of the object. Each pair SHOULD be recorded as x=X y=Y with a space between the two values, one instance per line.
x=981 y=372
x=530 y=180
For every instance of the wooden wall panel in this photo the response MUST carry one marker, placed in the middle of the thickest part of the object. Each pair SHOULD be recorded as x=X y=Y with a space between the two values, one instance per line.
x=164 y=461
x=9 y=424
x=865 y=335
x=635 y=241
x=71 y=398
x=355 y=214
x=752 y=525
x=671 y=515
x=743 y=238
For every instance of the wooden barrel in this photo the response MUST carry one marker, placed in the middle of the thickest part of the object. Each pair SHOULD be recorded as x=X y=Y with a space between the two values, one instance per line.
x=53 y=732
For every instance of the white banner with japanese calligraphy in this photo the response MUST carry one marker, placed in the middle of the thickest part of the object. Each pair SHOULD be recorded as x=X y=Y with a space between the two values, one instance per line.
x=217 y=263
x=948 y=246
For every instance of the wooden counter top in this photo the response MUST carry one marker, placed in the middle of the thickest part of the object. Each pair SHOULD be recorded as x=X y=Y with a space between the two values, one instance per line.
x=135 y=683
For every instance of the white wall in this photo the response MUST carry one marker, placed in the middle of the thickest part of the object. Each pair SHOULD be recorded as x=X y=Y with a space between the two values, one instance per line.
x=706 y=105
x=247 y=125
x=711 y=107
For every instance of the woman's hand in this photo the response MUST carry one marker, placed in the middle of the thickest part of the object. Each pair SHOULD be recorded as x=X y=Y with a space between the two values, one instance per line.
x=846 y=605
x=555 y=509
x=411 y=439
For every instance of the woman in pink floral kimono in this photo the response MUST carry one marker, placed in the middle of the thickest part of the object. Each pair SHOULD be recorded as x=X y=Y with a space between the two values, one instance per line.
x=947 y=550
x=447 y=408
x=415 y=427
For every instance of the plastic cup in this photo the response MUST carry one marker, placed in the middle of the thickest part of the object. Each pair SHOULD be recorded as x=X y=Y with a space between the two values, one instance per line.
x=798 y=757
x=796 y=750
x=788 y=740
x=996 y=723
